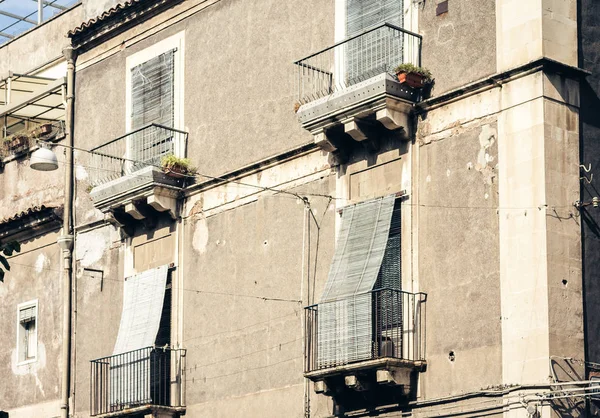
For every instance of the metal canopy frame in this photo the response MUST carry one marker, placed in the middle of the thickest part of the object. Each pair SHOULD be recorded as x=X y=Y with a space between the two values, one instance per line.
x=26 y=98
x=31 y=19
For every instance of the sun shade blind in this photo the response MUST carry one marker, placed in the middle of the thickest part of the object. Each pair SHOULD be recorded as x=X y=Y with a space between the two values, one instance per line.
x=131 y=364
x=345 y=309
x=152 y=101
x=143 y=296
x=370 y=54
x=27 y=314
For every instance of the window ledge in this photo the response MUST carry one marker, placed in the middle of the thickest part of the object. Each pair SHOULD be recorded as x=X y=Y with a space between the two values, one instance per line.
x=26 y=362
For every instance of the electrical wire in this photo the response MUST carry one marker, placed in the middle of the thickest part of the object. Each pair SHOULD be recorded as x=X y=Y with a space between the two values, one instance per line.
x=197 y=291
x=194 y=380
x=279 y=345
x=295 y=312
x=302 y=196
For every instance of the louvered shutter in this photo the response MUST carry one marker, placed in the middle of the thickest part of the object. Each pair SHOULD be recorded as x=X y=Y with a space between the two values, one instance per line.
x=152 y=101
x=27 y=314
x=345 y=310
x=387 y=301
x=370 y=54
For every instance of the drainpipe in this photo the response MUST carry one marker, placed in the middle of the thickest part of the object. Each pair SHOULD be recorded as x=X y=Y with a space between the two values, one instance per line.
x=65 y=241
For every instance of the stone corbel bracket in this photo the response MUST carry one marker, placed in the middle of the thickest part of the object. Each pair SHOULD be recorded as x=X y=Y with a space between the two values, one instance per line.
x=140 y=196
x=358 y=112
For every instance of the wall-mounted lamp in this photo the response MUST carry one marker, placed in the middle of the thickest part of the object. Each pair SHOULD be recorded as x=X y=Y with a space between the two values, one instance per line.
x=43 y=159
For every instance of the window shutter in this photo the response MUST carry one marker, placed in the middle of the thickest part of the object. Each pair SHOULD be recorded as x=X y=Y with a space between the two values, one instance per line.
x=152 y=101
x=369 y=55
x=143 y=298
x=345 y=310
x=390 y=273
x=27 y=314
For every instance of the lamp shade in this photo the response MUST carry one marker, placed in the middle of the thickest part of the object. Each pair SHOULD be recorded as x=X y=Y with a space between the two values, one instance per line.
x=43 y=159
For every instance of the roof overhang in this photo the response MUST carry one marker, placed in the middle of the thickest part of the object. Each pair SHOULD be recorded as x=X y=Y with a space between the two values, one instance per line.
x=31 y=223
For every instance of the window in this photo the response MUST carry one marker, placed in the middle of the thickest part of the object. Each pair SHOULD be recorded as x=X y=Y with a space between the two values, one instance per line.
x=363 y=14
x=359 y=315
x=155 y=96
x=152 y=88
x=375 y=52
x=27 y=314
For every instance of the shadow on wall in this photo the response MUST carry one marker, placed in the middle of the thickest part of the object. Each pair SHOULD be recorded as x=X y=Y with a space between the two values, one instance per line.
x=369 y=151
x=589 y=52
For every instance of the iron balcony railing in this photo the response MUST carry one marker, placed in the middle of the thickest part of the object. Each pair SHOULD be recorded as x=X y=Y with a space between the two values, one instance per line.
x=374 y=51
x=133 y=151
x=141 y=378
x=394 y=328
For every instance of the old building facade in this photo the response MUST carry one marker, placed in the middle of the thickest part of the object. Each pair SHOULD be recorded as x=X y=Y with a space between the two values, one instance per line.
x=346 y=245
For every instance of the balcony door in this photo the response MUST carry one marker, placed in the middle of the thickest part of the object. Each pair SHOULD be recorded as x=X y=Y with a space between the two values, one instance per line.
x=378 y=51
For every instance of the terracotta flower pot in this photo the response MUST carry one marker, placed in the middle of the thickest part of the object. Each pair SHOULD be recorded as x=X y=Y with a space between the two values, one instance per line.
x=18 y=142
x=175 y=172
x=42 y=130
x=414 y=80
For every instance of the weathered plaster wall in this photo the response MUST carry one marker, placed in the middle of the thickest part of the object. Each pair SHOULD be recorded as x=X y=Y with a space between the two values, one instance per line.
x=98 y=277
x=22 y=187
x=35 y=274
x=39 y=46
x=244 y=351
x=450 y=50
x=94 y=8
x=458 y=265
x=238 y=100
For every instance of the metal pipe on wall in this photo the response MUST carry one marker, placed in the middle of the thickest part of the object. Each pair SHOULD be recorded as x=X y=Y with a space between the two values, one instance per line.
x=65 y=241
x=40 y=12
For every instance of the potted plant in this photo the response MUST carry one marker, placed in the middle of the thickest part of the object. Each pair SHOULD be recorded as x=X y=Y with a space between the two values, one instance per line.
x=413 y=76
x=17 y=141
x=176 y=167
x=42 y=130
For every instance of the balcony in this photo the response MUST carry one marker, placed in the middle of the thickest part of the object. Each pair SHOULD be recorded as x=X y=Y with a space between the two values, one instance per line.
x=31 y=110
x=127 y=182
x=145 y=381
x=380 y=356
x=349 y=91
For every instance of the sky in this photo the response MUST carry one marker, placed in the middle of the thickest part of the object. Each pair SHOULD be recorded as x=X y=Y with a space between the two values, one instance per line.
x=25 y=8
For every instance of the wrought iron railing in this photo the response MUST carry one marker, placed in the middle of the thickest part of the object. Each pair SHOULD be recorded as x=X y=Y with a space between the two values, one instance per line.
x=372 y=52
x=393 y=326
x=146 y=377
x=133 y=151
x=22 y=141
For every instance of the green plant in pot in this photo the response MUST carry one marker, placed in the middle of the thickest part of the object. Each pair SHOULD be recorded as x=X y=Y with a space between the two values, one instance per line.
x=6 y=142
x=16 y=141
x=413 y=76
x=176 y=167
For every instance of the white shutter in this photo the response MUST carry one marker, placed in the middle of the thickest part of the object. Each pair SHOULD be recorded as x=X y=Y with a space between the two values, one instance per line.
x=143 y=296
x=345 y=309
x=370 y=54
x=27 y=314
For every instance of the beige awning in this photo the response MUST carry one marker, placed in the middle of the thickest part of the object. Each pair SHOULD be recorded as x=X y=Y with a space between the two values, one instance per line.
x=31 y=98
